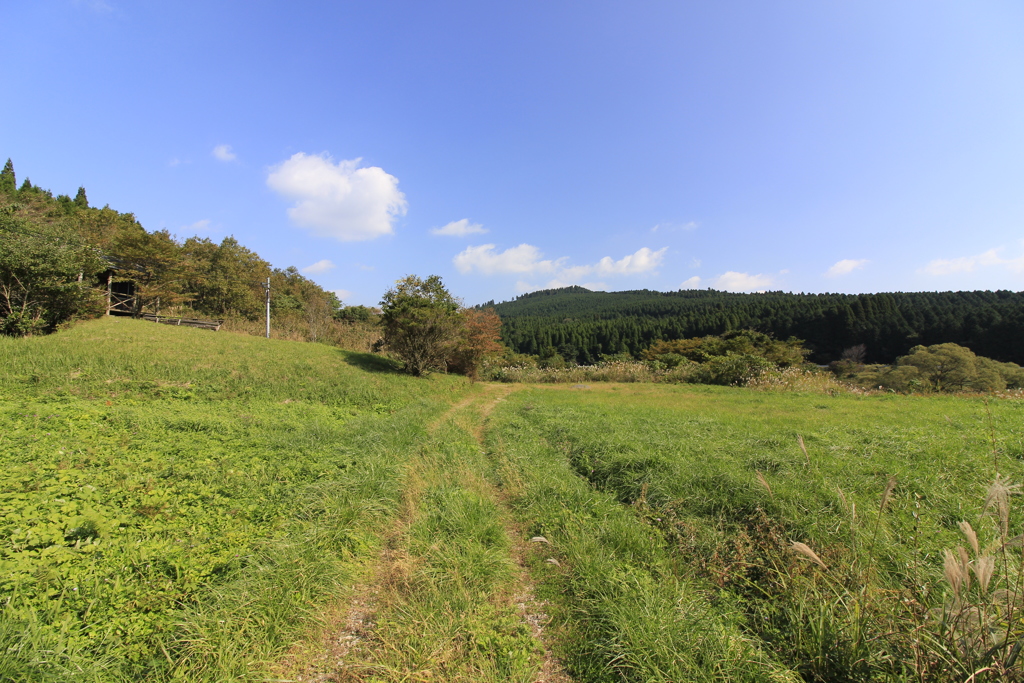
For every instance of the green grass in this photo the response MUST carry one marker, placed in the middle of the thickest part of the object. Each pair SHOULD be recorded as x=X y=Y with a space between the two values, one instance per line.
x=177 y=504
x=674 y=554
x=174 y=501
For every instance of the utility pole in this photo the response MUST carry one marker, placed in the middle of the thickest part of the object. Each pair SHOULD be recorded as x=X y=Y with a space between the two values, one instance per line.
x=267 y=287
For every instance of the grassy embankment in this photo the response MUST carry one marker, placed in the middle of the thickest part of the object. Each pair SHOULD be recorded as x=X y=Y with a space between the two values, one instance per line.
x=180 y=503
x=672 y=512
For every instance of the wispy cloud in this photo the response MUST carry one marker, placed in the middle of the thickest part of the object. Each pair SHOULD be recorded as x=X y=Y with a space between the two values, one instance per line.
x=342 y=294
x=338 y=200
x=223 y=153
x=177 y=162
x=845 y=267
x=459 y=229
x=968 y=264
x=321 y=266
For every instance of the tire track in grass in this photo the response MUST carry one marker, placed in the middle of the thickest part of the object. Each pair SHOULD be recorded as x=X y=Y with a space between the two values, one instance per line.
x=399 y=623
x=531 y=610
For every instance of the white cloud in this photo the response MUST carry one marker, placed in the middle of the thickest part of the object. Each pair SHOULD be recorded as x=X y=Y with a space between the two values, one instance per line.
x=321 y=266
x=224 y=153
x=691 y=283
x=525 y=258
x=528 y=259
x=339 y=200
x=845 y=267
x=643 y=261
x=743 y=282
x=460 y=229
x=342 y=294
x=968 y=264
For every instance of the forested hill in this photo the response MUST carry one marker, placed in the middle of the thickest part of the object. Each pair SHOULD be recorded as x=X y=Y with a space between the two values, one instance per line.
x=582 y=325
x=57 y=255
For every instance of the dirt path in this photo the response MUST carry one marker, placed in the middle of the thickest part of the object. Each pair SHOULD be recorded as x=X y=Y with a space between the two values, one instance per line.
x=338 y=653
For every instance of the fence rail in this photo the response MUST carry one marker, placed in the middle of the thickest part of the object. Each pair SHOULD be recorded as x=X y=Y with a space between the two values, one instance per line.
x=187 y=322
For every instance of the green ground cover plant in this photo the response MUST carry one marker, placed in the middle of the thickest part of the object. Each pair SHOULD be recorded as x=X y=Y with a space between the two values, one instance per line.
x=177 y=503
x=714 y=533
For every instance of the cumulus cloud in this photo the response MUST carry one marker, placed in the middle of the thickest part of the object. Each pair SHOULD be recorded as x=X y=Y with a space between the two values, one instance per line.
x=968 y=264
x=321 y=266
x=691 y=283
x=485 y=258
x=527 y=259
x=338 y=200
x=342 y=294
x=460 y=229
x=224 y=153
x=743 y=282
x=643 y=261
x=845 y=267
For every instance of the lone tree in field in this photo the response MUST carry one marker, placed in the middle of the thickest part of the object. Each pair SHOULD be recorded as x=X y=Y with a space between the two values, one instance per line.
x=421 y=322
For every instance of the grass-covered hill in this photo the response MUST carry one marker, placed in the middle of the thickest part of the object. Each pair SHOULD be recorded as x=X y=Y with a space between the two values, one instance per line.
x=582 y=325
x=177 y=500
x=179 y=504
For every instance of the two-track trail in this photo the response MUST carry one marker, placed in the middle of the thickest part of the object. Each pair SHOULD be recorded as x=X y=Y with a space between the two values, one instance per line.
x=449 y=597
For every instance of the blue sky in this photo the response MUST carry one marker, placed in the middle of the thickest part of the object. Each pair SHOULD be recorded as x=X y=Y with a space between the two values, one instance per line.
x=801 y=146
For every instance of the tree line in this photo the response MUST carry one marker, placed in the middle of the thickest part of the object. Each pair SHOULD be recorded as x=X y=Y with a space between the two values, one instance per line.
x=583 y=326
x=56 y=252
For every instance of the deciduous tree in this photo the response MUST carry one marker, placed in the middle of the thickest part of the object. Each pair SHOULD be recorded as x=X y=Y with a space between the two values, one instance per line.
x=421 y=322
x=477 y=339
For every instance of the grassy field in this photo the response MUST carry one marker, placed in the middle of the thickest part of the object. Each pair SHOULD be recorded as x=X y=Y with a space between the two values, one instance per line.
x=673 y=512
x=174 y=502
x=177 y=504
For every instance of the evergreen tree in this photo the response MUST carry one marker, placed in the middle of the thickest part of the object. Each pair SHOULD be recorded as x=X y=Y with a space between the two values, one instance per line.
x=8 y=183
x=80 y=199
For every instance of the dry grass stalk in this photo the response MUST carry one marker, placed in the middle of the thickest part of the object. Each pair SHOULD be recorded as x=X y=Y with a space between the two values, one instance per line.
x=887 y=493
x=998 y=495
x=764 y=483
x=800 y=442
x=953 y=571
x=804 y=550
x=983 y=569
x=972 y=537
